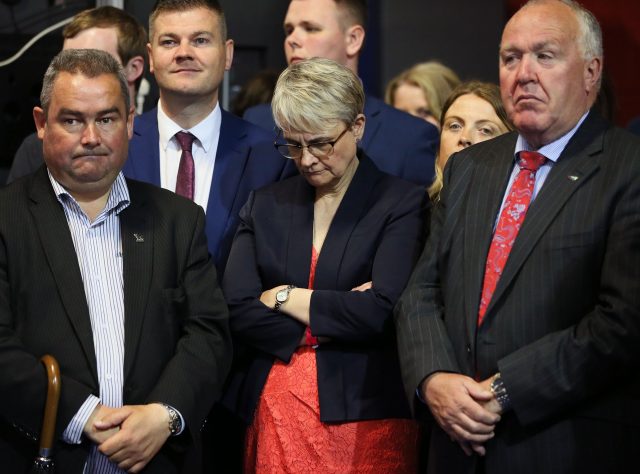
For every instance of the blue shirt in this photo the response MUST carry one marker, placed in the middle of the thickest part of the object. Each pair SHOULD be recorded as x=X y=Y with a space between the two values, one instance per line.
x=551 y=151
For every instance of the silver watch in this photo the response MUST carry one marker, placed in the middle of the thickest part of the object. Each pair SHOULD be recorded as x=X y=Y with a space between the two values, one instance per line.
x=282 y=296
x=175 y=423
x=500 y=392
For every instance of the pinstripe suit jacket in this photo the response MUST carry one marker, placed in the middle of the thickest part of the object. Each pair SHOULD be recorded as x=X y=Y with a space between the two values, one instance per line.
x=563 y=327
x=177 y=342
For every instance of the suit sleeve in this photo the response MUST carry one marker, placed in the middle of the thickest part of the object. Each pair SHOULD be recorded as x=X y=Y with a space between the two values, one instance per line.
x=253 y=323
x=360 y=316
x=423 y=342
x=193 y=378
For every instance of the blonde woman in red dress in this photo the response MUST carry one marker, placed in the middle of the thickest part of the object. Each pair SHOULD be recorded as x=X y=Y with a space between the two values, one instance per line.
x=316 y=267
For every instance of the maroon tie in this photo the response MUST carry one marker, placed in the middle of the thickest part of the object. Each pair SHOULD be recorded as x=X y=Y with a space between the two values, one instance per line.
x=511 y=218
x=186 y=171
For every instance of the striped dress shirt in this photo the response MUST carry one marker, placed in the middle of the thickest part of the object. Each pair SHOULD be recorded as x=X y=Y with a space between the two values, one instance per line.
x=98 y=246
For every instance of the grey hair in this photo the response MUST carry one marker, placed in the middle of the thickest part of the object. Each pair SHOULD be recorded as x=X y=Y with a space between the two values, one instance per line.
x=88 y=62
x=314 y=94
x=590 y=41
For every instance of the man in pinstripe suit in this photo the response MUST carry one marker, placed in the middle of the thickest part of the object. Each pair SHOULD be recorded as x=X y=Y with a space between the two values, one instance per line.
x=113 y=278
x=547 y=381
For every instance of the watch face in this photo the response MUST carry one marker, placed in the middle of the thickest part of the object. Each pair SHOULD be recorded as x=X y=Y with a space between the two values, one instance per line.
x=281 y=296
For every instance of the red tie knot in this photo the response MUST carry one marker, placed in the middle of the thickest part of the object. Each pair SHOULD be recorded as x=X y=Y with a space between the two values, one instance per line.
x=531 y=160
x=185 y=139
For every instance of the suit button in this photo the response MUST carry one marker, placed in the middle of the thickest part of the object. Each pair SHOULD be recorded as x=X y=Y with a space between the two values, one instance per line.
x=469 y=349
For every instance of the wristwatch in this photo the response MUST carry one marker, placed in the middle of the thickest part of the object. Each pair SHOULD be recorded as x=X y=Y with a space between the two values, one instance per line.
x=175 y=423
x=282 y=296
x=500 y=392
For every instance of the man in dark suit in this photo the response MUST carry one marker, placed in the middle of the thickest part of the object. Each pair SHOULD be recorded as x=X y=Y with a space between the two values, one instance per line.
x=188 y=54
x=113 y=278
x=520 y=327
x=398 y=143
x=106 y=28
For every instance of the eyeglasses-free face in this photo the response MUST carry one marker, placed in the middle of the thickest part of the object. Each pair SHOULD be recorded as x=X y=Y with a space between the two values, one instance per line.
x=320 y=149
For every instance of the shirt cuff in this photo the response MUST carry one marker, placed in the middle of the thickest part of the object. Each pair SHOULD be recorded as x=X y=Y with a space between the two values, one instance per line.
x=73 y=433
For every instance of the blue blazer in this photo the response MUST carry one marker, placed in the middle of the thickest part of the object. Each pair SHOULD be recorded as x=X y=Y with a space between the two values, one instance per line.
x=245 y=160
x=376 y=235
x=398 y=143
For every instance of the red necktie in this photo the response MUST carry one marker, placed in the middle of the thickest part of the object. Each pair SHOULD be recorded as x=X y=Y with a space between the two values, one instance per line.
x=511 y=218
x=186 y=170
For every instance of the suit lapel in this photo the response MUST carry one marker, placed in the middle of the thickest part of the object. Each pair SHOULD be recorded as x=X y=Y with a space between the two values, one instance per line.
x=136 y=229
x=230 y=164
x=347 y=217
x=53 y=230
x=486 y=189
x=576 y=164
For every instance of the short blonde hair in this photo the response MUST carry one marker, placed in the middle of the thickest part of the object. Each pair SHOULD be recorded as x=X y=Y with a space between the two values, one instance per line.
x=314 y=94
x=434 y=79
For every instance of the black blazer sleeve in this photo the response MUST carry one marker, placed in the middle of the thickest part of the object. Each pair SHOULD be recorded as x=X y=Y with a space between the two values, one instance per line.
x=395 y=232
x=251 y=321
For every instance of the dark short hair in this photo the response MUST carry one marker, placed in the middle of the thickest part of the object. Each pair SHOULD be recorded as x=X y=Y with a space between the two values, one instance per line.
x=132 y=37
x=164 y=6
x=356 y=11
x=88 y=62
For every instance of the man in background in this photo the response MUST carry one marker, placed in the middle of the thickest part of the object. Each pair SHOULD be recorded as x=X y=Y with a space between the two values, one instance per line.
x=107 y=29
x=398 y=143
x=188 y=144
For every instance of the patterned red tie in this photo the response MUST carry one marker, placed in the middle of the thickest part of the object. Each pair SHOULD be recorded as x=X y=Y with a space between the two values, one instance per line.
x=511 y=218
x=186 y=170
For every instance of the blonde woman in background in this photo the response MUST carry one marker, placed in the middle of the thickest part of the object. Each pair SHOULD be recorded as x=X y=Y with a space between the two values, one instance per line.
x=472 y=113
x=422 y=90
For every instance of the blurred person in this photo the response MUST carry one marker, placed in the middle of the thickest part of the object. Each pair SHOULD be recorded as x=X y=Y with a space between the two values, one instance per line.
x=315 y=269
x=422 y=90
x=257 y=90
x=105 y=28
x=397 y=143
x=472 y=113
x=113 y=278
x=520 y=327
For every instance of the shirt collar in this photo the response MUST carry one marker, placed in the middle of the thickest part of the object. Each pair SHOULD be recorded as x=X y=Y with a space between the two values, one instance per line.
x=118 y=196
x=205 y=131
x=553 y=150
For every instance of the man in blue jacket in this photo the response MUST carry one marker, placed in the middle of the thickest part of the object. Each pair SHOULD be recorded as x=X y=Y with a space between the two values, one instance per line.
x=398 y=143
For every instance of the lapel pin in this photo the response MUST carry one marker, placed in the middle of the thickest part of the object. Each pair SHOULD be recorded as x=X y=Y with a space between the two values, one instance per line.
x=139 y=237
x=573 y=177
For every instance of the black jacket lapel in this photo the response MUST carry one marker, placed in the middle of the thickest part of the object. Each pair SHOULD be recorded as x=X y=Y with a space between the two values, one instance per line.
x=52 y=227
x=576 y=164
x=136 y=229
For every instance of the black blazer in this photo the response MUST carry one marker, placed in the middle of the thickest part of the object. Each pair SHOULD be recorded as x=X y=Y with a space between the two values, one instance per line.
x=563 y=326
x=177 y=341
x=375 y=236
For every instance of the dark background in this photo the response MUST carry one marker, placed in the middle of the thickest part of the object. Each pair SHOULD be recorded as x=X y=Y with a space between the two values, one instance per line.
x=462 y=34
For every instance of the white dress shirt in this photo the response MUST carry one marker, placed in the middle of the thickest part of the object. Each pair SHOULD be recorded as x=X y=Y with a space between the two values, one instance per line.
x=204 y=149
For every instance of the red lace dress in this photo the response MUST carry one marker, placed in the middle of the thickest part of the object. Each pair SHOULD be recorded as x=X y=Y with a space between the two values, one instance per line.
x=287 y=435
